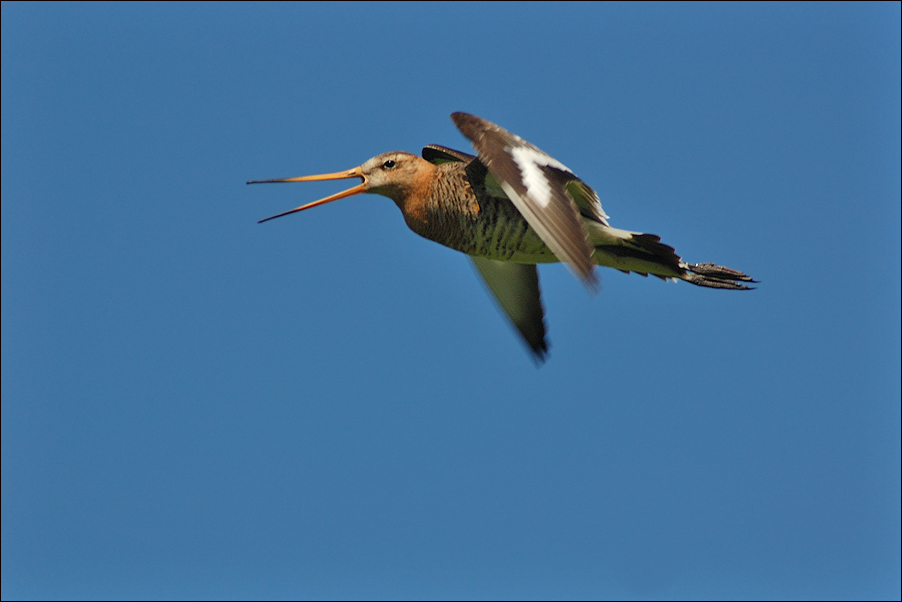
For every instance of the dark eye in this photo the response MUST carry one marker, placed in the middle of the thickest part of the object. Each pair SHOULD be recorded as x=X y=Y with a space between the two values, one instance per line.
x=390 y=164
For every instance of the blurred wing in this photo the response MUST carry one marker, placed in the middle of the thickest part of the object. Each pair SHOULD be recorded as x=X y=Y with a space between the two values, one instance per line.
x=537 y=186
x=516 y=288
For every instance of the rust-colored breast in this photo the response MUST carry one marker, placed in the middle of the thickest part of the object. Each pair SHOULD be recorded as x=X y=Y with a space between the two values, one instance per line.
x=440 y=204
x=453 y=208
x=459 y=214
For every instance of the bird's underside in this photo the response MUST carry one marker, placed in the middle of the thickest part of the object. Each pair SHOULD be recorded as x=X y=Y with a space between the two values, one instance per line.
x=510 y=207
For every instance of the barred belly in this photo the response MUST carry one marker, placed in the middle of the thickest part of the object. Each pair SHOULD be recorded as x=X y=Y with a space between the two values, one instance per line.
x=501 y=233
x=478 y=224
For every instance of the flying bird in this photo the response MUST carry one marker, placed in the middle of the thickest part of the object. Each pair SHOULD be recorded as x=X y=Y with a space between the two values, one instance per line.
x=509 y=208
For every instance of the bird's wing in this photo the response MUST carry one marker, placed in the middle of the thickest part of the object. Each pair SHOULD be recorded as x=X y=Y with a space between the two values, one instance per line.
x=437 y=155
x=542 y=190
x=516 y=288
x=586 y=199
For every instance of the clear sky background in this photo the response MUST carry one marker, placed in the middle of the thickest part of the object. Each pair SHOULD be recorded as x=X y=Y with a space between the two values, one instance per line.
x=327 y=405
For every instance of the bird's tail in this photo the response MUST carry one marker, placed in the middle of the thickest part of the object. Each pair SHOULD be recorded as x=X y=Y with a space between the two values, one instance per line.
x=716 y=276
x=646 y=254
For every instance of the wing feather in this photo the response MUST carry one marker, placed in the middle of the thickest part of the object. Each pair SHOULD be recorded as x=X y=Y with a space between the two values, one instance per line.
x=516 y=288
x=437 y=155
x=533 y=181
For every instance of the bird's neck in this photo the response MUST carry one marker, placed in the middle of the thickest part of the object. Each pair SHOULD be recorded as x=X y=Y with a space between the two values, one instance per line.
x=413 y=196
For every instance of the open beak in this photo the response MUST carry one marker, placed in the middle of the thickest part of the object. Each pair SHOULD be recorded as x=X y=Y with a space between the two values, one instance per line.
x=341 y=175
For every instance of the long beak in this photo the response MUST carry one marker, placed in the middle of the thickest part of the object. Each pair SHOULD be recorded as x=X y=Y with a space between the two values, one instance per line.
x=341 y=175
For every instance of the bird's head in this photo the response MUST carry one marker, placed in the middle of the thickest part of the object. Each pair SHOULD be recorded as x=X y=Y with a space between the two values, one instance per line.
x=394 y=174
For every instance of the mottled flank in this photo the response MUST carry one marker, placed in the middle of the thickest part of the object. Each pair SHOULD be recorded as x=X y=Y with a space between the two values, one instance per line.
x=462 y=215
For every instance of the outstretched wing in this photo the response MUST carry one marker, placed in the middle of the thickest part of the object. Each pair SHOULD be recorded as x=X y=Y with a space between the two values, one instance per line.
x=516 y=288
x=548 y=195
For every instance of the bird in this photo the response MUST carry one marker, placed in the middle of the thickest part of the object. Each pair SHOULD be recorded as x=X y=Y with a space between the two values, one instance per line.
x=508 y=208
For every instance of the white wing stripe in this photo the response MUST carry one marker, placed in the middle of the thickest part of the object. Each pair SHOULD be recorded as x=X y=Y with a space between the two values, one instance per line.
x=529 y=159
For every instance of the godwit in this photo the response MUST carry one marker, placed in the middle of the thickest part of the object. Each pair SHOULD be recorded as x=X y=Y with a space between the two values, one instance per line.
x=510 y=208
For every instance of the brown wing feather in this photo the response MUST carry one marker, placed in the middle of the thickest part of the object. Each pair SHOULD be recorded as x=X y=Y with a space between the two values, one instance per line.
x=556 y=219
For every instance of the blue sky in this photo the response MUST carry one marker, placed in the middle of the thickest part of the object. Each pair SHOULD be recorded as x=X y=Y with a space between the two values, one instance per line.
x=195 y=405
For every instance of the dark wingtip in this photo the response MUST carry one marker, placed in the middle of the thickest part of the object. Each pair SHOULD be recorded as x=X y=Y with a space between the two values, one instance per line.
x=539 y=353
x=469 y=125
x=459 y=118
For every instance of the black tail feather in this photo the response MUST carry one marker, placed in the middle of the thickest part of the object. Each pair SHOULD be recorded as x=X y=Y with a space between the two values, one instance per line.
x=716 y=276
x=647 y=248
x=656 y=258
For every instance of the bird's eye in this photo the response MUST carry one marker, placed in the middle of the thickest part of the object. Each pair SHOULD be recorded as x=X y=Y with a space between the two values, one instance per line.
x=390 y=164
